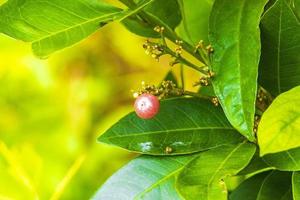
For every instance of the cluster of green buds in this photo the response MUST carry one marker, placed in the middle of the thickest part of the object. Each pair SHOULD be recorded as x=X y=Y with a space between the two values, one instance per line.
x=179 y=48
x=166 y=89
x=205 y=80
x=153 y=49
x=215 y=101
x=201 y=46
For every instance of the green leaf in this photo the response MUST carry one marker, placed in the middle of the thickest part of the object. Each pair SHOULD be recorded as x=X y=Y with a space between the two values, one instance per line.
x=279 y=127
x=145 y=177
x=54 y=25
x=201 y=178
x=235 y=37
x=280 y=61
x=257 y=165
x=285 y=161
x=185 y=125
x=277 y=185
x=167 y=11
x=207 y=91
x=296 y=185
x=195 y=15
x=249 y=189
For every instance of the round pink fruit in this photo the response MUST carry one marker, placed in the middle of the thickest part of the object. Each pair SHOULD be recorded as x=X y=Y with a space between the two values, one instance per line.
x=146 y=106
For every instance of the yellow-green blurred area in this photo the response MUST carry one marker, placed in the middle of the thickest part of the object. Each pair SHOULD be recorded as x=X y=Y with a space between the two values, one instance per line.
x=51 y=112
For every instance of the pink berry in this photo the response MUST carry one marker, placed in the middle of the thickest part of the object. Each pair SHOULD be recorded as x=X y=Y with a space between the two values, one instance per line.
x=146 y=106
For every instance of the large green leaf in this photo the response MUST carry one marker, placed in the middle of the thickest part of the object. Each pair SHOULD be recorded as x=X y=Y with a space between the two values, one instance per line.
x=296 y=185
x=279 y=128
x=195 y=15
x=280 y=61
x=167 y=11
x=285 y=161
x=235 y=36
x=277 y=185
x=185 y=125
x=249 y=189
x=146 y=177
x=52 y=25
x=201 y=178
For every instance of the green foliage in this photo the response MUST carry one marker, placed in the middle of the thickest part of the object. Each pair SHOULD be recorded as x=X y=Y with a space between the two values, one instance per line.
x=194 y=27
x=168 y=13
x=286 y=161
x=266 y=186
x=198 y=126
x=195 y=146
x=280 y=124
x=145 y=177
x=54 y=25
x=280 y=62
x=277 y=185
x=249 y=189
x=202 y=177
x=235 y=37
x=256 y=166
x=296 y=185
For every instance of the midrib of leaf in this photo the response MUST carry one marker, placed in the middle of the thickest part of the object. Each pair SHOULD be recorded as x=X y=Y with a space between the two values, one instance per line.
x=113 y=16
x=176 y=130
x=102 y=18
x=239 y=59
x=153 y=186
x=222 y=165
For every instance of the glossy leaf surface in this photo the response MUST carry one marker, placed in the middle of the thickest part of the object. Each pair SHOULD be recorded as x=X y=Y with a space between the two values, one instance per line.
x=145 y=177
x=280 y=61
x=183 y=125
x=54 y=25
x=235 y=36
x=279 y=127
x=201 y=178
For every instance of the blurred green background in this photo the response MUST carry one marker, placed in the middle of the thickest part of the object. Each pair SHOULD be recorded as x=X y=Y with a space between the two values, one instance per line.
x=51 y=112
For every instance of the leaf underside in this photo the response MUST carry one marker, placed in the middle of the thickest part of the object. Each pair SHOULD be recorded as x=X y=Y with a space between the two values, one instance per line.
x=145 y=177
